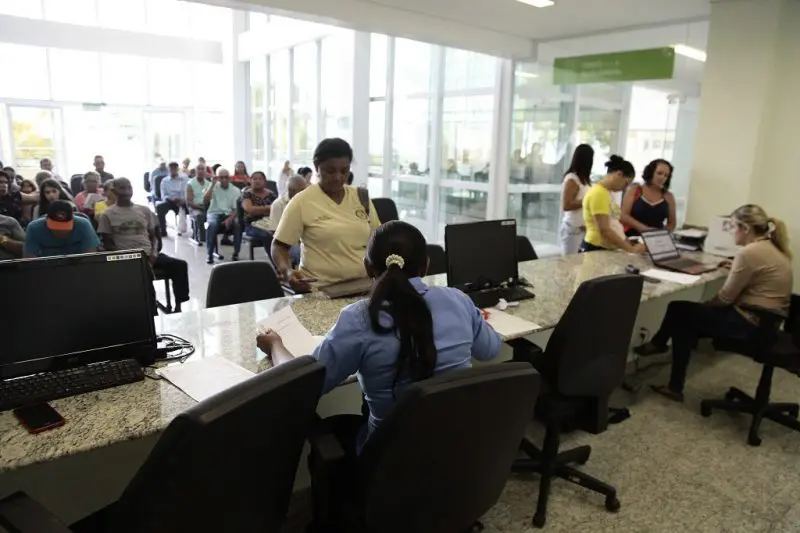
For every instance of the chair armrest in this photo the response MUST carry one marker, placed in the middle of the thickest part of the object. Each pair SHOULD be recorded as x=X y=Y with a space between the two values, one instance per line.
x=26 y=515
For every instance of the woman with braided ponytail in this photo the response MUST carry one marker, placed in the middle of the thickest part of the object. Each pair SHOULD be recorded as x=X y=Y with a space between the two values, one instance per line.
x=760 y=276
x=405 y=332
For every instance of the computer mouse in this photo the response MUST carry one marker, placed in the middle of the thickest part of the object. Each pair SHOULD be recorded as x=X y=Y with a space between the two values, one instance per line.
x=630 y=269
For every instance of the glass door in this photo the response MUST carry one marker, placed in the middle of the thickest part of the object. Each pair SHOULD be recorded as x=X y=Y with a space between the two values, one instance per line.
x=165 y=136
x=33 y=137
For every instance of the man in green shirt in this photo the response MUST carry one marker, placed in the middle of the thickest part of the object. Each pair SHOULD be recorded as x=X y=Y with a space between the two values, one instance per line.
x=222 y=199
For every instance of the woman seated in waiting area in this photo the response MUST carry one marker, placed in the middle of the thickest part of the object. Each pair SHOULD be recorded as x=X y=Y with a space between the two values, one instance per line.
x=760 y=276
x=650 y=206
x=50 y=191
x=256 y=203
x=331 y=222
x=405 y=332
x=601 y=213
x=90 y=195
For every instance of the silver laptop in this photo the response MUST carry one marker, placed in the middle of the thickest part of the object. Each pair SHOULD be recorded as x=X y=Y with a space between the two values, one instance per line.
x=720 y=238
x=664 y=254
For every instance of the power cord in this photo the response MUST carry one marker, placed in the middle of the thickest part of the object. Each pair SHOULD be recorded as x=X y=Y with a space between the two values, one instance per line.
x=175 y=349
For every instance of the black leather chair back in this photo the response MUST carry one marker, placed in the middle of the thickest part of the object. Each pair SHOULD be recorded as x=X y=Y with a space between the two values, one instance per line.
x=76 y=184
x=241 y=282
x=228 y=463
x=385 y=209
x=157 y=187
x=272 y=186
x=591 y=340
x=525 y=251
x=146 y=182
x=437 y=260
x=443 y=455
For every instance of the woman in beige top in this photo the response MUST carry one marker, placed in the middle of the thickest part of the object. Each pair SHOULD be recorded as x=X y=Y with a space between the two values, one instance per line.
x=760 y=276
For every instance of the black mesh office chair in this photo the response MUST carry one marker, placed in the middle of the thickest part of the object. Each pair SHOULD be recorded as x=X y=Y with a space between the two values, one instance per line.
x=436 y=464
x=226 y=464
x=773 y=349
x=76 y=184
x=437 y=260
x=525 y=250
x=236 y=283
x=385 y=209
x=585 y=357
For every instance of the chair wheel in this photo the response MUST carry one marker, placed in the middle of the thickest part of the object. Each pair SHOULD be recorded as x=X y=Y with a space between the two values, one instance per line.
x=612 y=504
x=753 y=440
x=539 y=520
x=705 y=410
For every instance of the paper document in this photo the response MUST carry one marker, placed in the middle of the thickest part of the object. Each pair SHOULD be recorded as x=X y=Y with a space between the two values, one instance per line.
x=204 y=378
x=674 y=277
x=294 y=335
x=509 y=325
x=691 y=233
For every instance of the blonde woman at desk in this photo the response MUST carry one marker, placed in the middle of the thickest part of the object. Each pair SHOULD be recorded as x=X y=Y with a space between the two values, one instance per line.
x=760 y=276
x=601 y=213
x=573 y=189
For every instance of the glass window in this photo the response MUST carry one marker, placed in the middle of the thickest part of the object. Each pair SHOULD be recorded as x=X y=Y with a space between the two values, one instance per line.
x=210 y=22
x=599 y=128
x=34 y=136
x=211 y=136
x=124 y=79
x=122 y=14
x=72 y=11
x=258 y=87
x=75 y=75
x=412 y=71
x=207 y=94
x=279 y=103
x=410 y=151
x=379 y=45
x=165 y=135
x=305 y=104
x=257 y=21
x=467 y=137
x=337 y=84
x=167 y=79
x=653 y=118
x=166 y=16
x=21 y=8
x=30 y=73
x=377 y=126
x=468 y=70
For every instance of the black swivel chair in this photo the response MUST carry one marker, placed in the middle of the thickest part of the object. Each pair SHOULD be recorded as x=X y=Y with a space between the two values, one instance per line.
x=585 y=357
x=236 y=283
x=437 y=260
x=385 y=209
x=773 y=349
x=76 y=184
x=525 y=250
x=437 y=463
x=226 y=464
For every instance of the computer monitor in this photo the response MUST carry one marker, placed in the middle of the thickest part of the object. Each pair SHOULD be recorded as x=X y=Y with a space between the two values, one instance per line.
x=660 y=245
x=481 y=254
x=63 y=312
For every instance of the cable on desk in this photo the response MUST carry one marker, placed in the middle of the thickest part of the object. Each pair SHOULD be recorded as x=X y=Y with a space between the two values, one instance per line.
x=175 y=349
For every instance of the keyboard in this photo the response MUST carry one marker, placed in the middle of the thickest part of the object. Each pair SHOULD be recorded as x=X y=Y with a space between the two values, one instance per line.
x=490 y=297
x=47 y=386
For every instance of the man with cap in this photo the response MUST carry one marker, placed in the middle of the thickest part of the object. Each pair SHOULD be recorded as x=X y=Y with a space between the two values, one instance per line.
x=60 y=233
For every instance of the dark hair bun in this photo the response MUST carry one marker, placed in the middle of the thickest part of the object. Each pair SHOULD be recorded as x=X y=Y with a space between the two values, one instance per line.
x=614 y=161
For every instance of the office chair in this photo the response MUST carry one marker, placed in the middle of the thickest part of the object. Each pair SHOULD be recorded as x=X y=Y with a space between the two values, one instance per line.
x=236 y=283
x=246 y=239
x=773 y=349
x=585 y=357
x=226 y=464
x=386 y=209
x=76 y=184
x=437 y=260
x=525 y=250
x=436 y=464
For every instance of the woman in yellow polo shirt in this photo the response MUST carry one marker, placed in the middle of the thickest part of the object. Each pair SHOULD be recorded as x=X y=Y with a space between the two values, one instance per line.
x=331 y=222
x=601 y=212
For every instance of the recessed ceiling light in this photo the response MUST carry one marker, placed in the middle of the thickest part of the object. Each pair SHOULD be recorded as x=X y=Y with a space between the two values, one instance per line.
x=523 y=74
x=688 y=51
x=538 y=3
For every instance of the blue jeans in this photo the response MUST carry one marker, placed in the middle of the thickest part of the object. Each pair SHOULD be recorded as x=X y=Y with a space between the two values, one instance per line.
x=260 y=237
x=214 y=225
x=588 y=247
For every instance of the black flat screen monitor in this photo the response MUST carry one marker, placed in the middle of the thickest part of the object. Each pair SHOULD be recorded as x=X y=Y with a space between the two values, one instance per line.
x=481 y=254
x=63 y=312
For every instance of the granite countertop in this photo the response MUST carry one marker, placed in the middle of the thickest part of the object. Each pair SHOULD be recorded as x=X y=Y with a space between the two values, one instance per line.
x=133 y=411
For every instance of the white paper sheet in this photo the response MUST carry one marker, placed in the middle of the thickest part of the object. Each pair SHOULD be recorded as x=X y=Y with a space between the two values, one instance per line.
x=297 y=339
x=674 y=277
x=509 y=325
x=691 y=233
x=204 y=378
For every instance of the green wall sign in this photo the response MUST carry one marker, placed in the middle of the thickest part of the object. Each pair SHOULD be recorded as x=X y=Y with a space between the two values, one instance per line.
x=650 y=64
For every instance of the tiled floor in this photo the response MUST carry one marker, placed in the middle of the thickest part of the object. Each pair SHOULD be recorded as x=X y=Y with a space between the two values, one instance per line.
x=675 y=471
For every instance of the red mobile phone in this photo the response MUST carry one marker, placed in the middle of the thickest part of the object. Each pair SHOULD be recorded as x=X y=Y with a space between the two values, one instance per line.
x=38 y=417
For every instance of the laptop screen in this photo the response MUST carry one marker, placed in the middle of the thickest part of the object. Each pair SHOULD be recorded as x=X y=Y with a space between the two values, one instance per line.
x=481 y=254
x=660 y=245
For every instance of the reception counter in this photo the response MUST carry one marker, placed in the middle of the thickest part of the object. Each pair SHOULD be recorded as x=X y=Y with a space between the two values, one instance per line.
x=119 y=425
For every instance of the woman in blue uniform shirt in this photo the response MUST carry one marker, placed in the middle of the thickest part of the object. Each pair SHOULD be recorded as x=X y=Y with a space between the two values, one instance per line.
x=405 y=332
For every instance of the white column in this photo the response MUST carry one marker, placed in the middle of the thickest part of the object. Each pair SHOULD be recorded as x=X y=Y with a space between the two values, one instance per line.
x=499 y=169
x=360 y=143
x=239 y=95
x=436 y=113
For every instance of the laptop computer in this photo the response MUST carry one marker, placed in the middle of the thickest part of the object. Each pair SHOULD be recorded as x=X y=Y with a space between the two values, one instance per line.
x=665 y=254
x=720 y=238
x=482 y=261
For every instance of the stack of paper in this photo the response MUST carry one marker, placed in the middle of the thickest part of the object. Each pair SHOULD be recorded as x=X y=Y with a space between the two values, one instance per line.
x=204 y=378
x=509 y=325
x=674 y=277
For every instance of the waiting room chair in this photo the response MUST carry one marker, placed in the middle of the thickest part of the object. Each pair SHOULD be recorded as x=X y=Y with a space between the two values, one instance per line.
x=773 y=349
x=272 y=186
x=585 y=357
x=226 y=464
x=146 y=182
x=525 y=250
x=246 y=239
x=76 y=184
x=156 y=192
x=386 y=209
x=160 y=275
x=437 y=260
x=236 y=283
x=436 y=464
